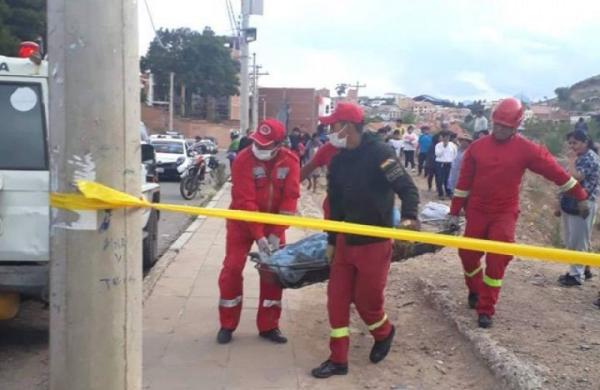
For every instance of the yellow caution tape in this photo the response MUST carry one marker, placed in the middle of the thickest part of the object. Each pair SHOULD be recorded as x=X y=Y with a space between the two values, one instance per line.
x=98 y=197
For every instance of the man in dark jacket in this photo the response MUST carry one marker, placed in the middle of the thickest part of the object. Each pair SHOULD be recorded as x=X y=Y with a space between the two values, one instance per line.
x=363 y=179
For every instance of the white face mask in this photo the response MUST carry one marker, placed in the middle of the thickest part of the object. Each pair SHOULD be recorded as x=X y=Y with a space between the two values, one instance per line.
x=263 y=154
x=337 y=141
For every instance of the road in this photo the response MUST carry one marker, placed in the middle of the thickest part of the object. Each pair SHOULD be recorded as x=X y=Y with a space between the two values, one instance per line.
x=173 y=224
x=24 y=340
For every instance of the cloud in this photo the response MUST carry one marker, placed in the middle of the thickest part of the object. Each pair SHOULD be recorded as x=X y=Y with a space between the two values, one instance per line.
x=480 y=84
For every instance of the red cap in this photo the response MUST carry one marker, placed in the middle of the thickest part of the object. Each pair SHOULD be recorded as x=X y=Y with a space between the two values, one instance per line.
x=344 y=111
x=268 y=131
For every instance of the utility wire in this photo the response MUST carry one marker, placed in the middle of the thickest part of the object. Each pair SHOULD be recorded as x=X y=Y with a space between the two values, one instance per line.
x=153 y=26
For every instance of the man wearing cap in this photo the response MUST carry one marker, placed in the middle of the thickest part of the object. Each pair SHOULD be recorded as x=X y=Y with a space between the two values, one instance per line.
x=265 y=178
x=488 y=187
x=362 y=180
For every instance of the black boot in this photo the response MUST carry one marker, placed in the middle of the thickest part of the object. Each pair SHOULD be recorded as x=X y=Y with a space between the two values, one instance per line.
x=381 y=348
x=473 y=298
x=588 y=273
x=224 y=336
x=567 y=280
x=274 y=335
x=329 y=368
x=485 y=321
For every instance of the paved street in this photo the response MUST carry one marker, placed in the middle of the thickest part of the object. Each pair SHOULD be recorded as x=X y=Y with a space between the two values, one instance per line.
x=173 y=224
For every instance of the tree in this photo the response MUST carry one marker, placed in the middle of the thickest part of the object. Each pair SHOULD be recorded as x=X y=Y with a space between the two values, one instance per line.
x=201 y=63
x=563 y=94
x=21 y=20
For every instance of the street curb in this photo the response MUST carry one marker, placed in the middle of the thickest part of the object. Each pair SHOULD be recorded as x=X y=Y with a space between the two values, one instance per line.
x=514 y=372
x=170 y=254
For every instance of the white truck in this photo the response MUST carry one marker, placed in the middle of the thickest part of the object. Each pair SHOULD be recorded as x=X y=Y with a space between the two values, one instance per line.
x=24 y=185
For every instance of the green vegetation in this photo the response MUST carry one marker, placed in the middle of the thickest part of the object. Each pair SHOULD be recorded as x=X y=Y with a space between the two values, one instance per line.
x=550 y=134
x=201 y=62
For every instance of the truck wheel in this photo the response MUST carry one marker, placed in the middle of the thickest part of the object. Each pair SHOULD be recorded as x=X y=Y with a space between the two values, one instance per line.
x=9 y=305
x=150 y=243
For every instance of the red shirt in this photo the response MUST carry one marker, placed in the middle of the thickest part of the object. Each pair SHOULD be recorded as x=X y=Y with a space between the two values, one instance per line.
x=491 y=174
x=267 y=186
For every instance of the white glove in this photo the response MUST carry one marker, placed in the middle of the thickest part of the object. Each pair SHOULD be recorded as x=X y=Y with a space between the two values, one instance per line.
x=263 y=246
x=274 y=242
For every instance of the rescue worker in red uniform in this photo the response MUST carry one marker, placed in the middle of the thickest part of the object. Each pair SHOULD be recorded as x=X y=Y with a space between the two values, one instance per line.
x=265 y=178
x=363 y=178
x=488 y=189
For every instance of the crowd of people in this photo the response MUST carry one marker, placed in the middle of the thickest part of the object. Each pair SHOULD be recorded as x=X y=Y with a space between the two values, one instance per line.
x=365 y=172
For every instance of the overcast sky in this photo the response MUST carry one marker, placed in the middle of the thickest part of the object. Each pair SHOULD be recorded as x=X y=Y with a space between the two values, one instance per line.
x=457 y=49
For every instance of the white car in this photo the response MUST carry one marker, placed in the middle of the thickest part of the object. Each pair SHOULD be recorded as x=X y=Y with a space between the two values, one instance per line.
x=170 y=152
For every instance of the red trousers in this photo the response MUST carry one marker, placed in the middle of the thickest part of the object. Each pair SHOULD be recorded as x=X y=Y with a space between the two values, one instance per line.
x=358 y=275
x=497 y=227
x=238 y=244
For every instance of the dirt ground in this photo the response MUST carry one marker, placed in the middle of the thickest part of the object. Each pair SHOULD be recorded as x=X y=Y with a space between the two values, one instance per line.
x=555 y=330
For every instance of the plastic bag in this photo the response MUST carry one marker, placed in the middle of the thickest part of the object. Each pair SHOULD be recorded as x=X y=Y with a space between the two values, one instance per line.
x=434 y=212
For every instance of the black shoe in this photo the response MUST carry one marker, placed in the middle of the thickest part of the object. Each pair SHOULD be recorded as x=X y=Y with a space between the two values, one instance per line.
x=597 y=303
x=224 y=336
x=588 y=274
x=485 y=321
x=274 y=335
x=567 y=280
x=473 y=298
x=381 y=348
x=329 y=368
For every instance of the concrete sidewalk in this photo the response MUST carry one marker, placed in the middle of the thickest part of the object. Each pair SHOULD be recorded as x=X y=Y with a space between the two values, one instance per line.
x=181 y=323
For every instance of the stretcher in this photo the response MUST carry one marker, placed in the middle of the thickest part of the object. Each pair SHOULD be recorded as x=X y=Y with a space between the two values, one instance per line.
x=305 y=262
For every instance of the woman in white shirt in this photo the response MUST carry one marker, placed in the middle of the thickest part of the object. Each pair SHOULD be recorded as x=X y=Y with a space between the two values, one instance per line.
x=409 y=144
x=445 y=153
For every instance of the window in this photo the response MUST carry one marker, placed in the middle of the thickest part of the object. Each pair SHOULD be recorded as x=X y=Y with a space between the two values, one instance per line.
x=22 y=127
x=168 y=147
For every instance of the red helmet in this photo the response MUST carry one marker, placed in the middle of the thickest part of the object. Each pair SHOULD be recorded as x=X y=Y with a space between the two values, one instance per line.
x=508 y=112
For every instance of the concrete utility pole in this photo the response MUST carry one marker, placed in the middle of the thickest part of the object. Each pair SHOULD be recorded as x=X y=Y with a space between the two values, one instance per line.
x=357 y=88
x=255 y=95
x=96 y=269
x=244 y=85
x=171 y=92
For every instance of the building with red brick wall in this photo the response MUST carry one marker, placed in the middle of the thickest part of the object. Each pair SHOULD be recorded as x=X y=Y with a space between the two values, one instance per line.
x=299 y=105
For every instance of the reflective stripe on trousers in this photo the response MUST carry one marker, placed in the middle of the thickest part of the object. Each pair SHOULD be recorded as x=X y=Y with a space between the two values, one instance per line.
x=376 y=325
x=473 y=273
x=271 y=303
x=340 y=332
x=492 y=282
x=230 y=302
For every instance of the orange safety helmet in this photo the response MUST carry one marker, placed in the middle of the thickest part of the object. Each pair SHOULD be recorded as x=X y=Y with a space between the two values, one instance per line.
x=508 y=112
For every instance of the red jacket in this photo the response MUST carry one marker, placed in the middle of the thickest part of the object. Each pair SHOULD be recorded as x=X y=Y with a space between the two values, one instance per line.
x=491 y=174
x=267 y=186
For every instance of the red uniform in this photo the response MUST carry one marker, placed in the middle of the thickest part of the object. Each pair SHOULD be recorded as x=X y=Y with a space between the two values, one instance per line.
x=322 y=159
x=489 y=181
x=267 y=186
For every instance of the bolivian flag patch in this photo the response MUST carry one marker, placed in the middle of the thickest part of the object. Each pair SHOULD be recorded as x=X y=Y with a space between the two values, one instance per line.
x=392 y=169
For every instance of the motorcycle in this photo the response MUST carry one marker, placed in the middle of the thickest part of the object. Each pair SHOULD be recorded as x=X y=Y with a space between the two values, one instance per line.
x=192 y=172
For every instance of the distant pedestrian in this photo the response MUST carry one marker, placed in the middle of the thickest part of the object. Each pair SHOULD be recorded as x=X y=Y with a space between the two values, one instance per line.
x=480 y=127
x=397 y=143
x=409 y=145
x=296 y=144
x=312 y=147
x=581 y=125
x=445 y=153
x=430 y=161
x=463 y=143
x=584 y=166
x=424 y=144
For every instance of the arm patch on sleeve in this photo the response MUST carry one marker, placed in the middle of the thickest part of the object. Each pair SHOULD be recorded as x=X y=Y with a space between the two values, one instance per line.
x=392 y=169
